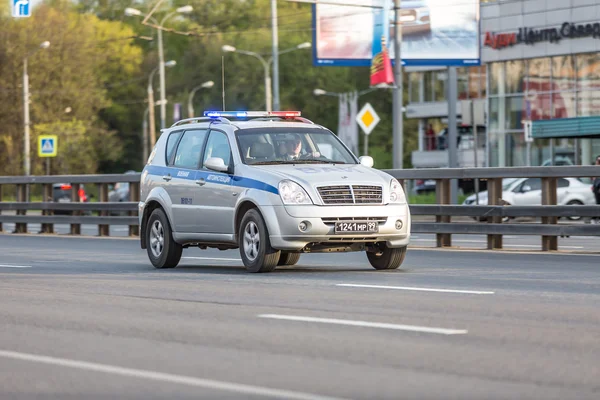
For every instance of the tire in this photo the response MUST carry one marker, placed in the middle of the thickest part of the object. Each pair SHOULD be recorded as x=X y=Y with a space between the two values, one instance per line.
x=388 y=258
x=288 y=258
x=158 y=227
x=574 y=203
x=255 y=247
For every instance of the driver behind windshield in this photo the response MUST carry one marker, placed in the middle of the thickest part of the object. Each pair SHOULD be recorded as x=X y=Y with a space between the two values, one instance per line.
x=294 y=150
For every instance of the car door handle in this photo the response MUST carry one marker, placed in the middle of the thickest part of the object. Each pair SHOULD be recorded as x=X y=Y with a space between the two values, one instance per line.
x=167 y=177
x=200 y=182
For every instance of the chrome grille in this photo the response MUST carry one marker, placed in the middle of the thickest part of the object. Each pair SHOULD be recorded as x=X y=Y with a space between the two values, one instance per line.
x=356 y=194
x=332 y=220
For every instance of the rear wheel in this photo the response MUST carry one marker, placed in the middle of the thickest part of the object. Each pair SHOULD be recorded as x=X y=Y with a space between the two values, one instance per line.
x=163 y=251
x=288 y=258
x=255 y=247
x=387 y=257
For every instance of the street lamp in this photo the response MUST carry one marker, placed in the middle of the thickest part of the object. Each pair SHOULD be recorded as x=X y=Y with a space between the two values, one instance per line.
x=133 y=12
x=26 y=122
x=151 y=105
x=190 y=106
x=266 y=64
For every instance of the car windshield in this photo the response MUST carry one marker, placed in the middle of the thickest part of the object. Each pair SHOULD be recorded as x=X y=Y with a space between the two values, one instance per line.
x=508 y=182
x=263 y=146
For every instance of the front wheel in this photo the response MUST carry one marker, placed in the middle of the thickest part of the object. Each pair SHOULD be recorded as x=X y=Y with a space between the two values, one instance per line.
x=387 y=257
x=163 y=251
x=574 y=203
x=255 y=247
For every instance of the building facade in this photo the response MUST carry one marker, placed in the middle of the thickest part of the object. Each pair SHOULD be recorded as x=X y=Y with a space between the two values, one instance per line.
x=540 y=61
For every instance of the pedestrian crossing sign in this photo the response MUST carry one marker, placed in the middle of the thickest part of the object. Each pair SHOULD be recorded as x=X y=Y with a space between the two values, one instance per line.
x=47 y=146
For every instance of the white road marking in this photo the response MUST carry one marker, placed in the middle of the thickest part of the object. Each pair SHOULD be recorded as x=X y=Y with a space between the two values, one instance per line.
x=418 y=289
x=212 y=258
x=163 y=377
x=15 y=266
x=366 y=324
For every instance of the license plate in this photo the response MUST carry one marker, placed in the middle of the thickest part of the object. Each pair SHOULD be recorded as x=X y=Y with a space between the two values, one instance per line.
x=356 y=227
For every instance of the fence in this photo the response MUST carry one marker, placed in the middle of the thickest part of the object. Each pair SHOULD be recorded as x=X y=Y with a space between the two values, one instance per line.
x=443 y=212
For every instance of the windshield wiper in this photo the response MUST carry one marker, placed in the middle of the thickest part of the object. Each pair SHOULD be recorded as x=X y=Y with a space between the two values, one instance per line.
x=271 y=162
x=318 y=162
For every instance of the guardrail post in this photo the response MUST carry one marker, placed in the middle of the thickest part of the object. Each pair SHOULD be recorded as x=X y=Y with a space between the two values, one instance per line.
x=134 y=195
x=47 y=197
x=549 y=198
x=103 y=230
x=75 y=228
x=442 y=194
x=21 y=227
x=494 y=199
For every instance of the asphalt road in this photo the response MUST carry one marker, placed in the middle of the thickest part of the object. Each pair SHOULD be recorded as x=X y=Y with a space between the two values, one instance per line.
x=90 y=318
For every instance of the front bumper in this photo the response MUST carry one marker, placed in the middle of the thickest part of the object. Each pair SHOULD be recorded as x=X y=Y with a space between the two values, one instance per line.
x=284 y=232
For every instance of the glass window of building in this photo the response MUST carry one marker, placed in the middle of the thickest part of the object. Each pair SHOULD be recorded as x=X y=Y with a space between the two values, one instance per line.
x=588 y=71
x=515 y=76
x=440 y=79
x=428 y=85
x=494 y=104
x=563 y=72
x=514 y=112
x=588 y=103
x=462 y=83
x=496 y=75
x=539 y=75
x=563 y=105
x=415 y=83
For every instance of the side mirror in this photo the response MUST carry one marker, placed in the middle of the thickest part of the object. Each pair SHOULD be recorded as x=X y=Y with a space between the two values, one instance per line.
x=367 y=161
x=526 y=188
x=216 y=164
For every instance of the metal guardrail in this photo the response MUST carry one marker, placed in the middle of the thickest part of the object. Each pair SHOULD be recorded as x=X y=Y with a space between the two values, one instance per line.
x=443 y=227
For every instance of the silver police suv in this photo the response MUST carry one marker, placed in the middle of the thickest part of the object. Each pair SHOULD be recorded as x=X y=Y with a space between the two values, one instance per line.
x=272 y=184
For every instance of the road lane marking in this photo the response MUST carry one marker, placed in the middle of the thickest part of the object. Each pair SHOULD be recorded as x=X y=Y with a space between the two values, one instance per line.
x=15 y=266
x=366 y=324
x=418 y=289
x=212 y=258
x=163 y=377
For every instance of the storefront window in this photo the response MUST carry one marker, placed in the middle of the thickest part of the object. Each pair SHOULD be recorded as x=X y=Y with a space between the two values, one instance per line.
x=539 y=105
x=463 y=83
x=494 y=104
x=588 y=103
x=483 y=81
x=515 y=76
x=563 y=105
x=588 y=71
x=427 y=78
x=440 y=79
x=415 y=82
x=539 y=76
x=514 y=112
x=563 y=72
x=496 y=76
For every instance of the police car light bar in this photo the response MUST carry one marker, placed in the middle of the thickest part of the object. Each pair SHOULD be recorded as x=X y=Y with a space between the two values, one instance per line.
x=252 y=114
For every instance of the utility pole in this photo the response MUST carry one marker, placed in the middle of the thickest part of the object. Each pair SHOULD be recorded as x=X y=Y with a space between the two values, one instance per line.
x=275 y=55
x=452 y=93
x=398 y=135
x=151 y=115
x=26 y=122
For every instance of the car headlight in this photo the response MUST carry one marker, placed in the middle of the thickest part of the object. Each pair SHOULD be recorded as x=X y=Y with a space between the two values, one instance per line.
x=292 y=193
x=396 y=192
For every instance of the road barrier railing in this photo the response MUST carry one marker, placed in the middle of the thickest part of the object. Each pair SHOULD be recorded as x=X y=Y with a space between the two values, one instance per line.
x=99 y=212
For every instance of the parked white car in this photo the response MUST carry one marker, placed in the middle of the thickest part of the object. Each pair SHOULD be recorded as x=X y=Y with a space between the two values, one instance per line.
x=528 y=192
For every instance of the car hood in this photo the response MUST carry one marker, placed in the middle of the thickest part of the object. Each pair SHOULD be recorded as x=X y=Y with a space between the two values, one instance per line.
x=311 y=175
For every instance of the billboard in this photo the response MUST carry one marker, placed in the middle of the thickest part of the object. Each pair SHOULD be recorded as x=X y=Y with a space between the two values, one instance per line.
x=434 y=32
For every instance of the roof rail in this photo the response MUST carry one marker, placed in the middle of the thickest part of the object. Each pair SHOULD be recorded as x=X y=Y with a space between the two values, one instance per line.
x=200 y=119
x=296 y=119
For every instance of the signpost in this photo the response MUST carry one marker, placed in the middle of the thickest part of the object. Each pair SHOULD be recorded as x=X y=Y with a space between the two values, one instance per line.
x=47 y=148
x=367 y=119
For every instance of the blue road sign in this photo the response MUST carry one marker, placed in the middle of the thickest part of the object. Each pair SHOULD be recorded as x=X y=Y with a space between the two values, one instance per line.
x=21 y=8
x=47 y=146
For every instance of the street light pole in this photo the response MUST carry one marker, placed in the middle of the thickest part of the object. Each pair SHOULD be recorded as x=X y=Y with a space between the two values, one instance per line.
x=151 y=104
x=275 y=56
x=145 y=136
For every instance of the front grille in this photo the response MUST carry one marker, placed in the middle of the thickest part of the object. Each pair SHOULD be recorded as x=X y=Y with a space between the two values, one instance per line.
x=356 y=194
x=332 y=220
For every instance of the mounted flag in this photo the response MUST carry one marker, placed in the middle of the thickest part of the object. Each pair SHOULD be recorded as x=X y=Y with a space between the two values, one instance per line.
x=381 y=64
